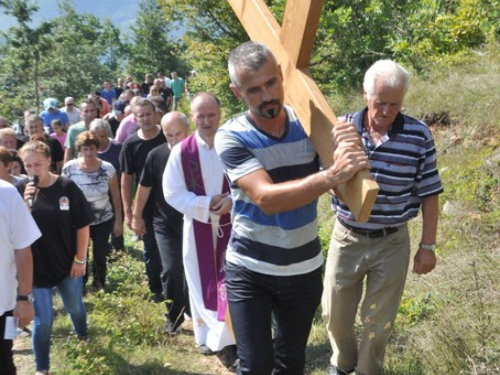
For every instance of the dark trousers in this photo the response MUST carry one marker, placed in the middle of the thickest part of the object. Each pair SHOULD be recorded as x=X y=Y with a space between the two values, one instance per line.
x=255 y=300
x=99 y=234
x=152 y=257
x=6 y=357
x=169 y=240
x=117 y=243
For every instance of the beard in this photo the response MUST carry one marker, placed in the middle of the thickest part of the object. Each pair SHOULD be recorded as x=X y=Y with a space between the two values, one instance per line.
x=273 y=111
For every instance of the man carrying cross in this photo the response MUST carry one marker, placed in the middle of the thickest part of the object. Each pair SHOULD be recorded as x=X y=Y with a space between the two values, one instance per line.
x=274 y=258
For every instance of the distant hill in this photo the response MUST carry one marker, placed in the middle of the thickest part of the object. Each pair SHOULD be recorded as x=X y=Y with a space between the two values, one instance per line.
x=122 y=13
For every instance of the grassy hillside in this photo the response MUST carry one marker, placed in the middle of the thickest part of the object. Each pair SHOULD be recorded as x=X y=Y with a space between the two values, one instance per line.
x=448 y=321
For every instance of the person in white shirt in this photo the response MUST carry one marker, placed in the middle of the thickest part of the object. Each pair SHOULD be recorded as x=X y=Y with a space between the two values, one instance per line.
x=17 y=232
x=70 y=109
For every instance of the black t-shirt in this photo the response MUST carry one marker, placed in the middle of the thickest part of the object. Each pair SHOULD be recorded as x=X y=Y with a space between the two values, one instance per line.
x=118 y=91
x=133 y=156
x=59 y=211
x=56 y=152
x=145 y=87
x=114 y=124
x=152 y=176
x=166 y=92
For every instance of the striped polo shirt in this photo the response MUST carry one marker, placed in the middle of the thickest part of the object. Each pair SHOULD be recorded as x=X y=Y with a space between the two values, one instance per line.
x=282 y=244
x=404 y=166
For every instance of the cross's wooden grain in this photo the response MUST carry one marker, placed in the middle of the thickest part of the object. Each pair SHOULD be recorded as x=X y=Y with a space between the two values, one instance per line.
x=292 y=45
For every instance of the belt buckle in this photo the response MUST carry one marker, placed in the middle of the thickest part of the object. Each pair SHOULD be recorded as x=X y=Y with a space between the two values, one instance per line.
x=377 y=233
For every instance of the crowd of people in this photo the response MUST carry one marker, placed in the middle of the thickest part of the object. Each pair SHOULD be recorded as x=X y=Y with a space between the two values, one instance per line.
x=227 y=215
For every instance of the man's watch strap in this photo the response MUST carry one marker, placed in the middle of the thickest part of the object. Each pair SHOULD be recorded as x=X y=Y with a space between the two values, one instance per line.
x=27 y=298
x=430 y=247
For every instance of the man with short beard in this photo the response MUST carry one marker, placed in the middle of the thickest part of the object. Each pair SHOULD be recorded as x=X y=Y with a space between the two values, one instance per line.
x=274 y=257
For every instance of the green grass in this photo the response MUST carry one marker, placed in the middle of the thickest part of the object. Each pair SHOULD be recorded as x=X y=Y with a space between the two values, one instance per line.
x=448 y=321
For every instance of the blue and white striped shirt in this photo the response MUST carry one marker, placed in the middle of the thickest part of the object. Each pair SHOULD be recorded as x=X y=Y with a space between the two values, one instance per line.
x=282 y=244
x=404 y=166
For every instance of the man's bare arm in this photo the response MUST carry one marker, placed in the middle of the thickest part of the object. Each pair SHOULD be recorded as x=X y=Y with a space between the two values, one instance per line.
x=280 y=197
x=126 y=188
x=141 y=198
x=425 y=260
x=24 y=265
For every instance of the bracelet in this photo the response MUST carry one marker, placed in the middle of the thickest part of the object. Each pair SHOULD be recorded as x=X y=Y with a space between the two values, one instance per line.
x=78 y=261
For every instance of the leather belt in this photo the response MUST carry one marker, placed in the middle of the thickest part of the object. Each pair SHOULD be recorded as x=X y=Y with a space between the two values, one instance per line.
x=370 y=233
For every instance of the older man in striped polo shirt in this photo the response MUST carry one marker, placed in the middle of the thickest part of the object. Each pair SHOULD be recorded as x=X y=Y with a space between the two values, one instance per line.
x=403 y=162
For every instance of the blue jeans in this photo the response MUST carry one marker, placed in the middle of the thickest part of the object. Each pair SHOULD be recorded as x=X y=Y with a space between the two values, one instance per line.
x=287 y=303
x=70 y=290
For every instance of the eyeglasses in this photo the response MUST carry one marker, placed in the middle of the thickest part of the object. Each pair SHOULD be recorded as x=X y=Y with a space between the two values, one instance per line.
x=70 y=104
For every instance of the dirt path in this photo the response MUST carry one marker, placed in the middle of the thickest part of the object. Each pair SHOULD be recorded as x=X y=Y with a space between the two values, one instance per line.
x=25 y=359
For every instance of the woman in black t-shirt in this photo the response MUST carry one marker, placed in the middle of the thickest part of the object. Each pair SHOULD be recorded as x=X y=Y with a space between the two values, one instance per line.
x=63 y=215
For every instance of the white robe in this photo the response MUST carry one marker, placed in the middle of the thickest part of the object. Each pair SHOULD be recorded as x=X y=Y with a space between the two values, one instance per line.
x=207 y=329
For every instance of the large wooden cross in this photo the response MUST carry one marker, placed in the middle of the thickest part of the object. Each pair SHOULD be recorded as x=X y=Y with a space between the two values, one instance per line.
x=292 y=45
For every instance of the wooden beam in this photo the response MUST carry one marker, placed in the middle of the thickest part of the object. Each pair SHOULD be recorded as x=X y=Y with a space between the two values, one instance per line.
x=301 y=92
x=298 y=29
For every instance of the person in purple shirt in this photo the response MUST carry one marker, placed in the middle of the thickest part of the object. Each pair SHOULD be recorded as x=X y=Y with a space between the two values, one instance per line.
x=128 y=126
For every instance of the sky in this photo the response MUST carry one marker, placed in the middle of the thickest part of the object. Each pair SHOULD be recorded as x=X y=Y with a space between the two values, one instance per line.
x=121 y=12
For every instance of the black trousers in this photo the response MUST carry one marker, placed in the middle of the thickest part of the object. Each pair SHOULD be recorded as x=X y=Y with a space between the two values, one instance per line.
x=6 y=357
x=152 y=257
x=169 y=241
x=99 y=234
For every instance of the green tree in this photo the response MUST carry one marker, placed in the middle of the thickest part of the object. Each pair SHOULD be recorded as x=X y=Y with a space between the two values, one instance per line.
x=212 y=30
x=351 y=36
x=22 y=51
x=439 y=29
x=68 y=55
x=86 y=51
x=152 y=49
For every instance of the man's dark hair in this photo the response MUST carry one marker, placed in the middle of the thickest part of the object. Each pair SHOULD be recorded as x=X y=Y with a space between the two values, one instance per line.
x=159 y=103
x=249 y=56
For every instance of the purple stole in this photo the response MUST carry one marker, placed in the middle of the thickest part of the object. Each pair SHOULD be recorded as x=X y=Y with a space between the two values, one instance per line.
x=210 y=260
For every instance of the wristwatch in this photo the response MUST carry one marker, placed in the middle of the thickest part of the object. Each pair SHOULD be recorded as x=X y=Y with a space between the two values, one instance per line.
x=27 y=298
x=430 y=247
